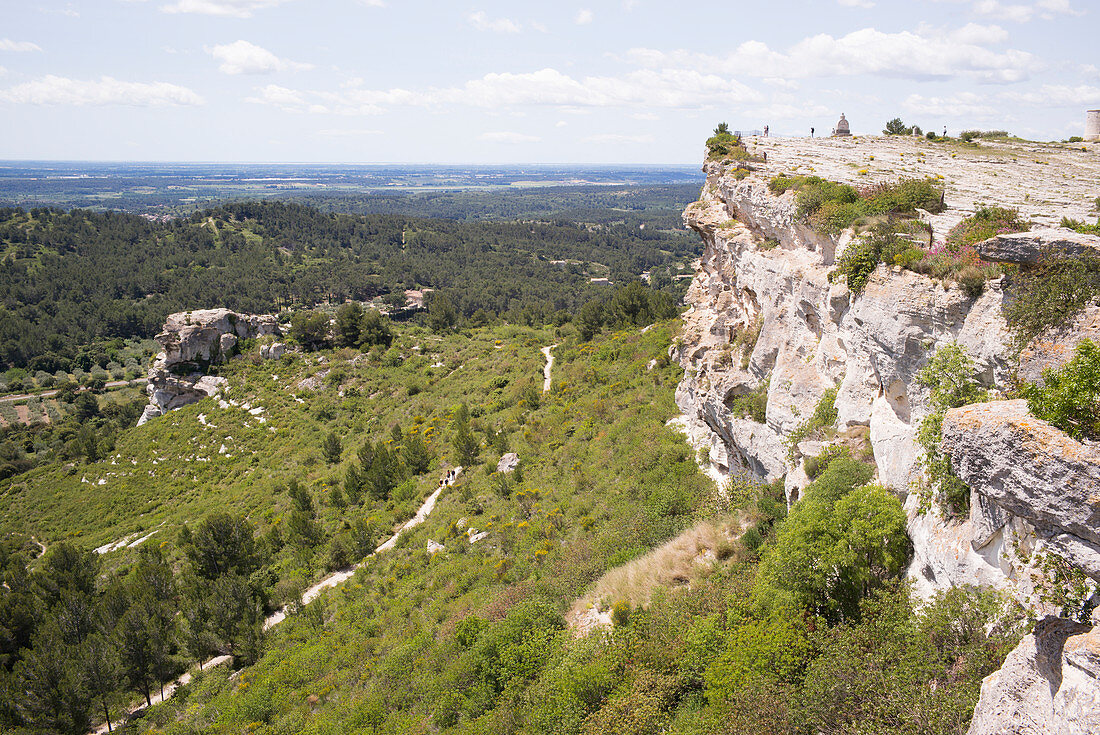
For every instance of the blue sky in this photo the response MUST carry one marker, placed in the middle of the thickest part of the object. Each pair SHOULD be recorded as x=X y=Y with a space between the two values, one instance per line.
x=613 y=81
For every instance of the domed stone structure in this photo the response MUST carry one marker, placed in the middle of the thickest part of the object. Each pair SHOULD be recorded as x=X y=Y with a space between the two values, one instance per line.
x=842 y=128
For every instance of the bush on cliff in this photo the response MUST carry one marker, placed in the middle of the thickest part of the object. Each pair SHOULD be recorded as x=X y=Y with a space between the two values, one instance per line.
x=950 y=377
x=830 y=207
x=1069 y=397
x=842 y=540
x=1050 y=294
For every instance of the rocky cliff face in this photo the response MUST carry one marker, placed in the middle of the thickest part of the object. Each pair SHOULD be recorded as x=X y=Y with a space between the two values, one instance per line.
x=1034 y=488
x=764 y=271
x=193 y=340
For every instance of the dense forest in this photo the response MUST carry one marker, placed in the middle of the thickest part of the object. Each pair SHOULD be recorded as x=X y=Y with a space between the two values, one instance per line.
x=657 y=207
x=73 y=278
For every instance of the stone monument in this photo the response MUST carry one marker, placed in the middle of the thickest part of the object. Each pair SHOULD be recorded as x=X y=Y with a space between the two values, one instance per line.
x=1092 y=125
x=842 y=128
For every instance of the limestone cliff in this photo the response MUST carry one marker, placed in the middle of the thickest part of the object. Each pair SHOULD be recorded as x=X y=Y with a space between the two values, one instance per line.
x=763 y=271
x=193 y=340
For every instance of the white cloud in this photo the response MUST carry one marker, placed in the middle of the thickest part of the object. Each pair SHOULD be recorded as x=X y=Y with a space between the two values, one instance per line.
x=619 y=138
x=507 y=136
x=962 y=104
x=1056 y=95
x=3 y=71
x=242 y=57
x=345 y=133
x=857 y=3
x=925 y=55
x=286 y=99
x=68 y=11
x=536 y=26
x=1057 y=6
x=225 y=8
x=6 y=44
x=483 y=22
x=1008 y=11
x=1020 y=13
x=584 y=17
x=645 y=116
x=979 y=35
x=644 y=88
x=373 y=3
x=560 y=124
x=54 y=90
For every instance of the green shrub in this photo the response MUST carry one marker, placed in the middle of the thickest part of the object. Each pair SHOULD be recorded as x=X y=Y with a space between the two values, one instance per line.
x=814 y=466
x=1069 y=397
x=833 y=217
x=950 y=377
x=858 y=262
x=972 y=280
x=1079 y=226
x=841 y=540
x=984 y=224
x=814 y=192
x=1050 y=293
x=752 y=539
x=620 y=613
x=777 y=648
x=824 y=415
x=752 y=405
x=831 y=207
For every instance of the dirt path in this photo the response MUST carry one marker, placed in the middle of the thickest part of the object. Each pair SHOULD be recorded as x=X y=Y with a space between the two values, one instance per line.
x=343 y=575
x=53 y=392
x=547 y=368
x=312 y=592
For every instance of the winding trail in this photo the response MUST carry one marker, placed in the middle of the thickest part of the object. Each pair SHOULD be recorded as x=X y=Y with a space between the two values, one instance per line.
x=547 y=368
x=311 y=593
x=54 y=391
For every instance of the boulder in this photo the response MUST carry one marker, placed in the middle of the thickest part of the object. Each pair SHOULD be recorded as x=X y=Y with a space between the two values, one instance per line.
x=508 y=463
x=1019 y=698
x=1029 y=248
x=273 y=351
x=1026 y=467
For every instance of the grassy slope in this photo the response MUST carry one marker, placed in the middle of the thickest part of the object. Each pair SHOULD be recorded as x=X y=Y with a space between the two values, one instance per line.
x=170 y=470
x=601 y=473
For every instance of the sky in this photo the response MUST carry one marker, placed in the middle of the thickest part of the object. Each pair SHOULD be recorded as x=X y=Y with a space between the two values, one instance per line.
x=476 y=81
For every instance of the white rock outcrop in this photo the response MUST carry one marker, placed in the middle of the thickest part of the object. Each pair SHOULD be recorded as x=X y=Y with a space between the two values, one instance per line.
x=193 y=340
x=508 y=463
x=1021 y=467
x=1049 y=684
x=814 y=335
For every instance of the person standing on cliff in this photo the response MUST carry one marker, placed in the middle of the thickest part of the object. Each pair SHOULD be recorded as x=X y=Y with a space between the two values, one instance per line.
x=811 y=132
x=765 y=131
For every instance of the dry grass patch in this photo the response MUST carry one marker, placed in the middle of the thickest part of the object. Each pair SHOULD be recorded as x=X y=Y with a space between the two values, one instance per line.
x=670 y=565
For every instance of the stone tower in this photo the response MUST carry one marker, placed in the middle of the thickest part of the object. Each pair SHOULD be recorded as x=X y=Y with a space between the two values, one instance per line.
x=842 y=128
x=1092 y=125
